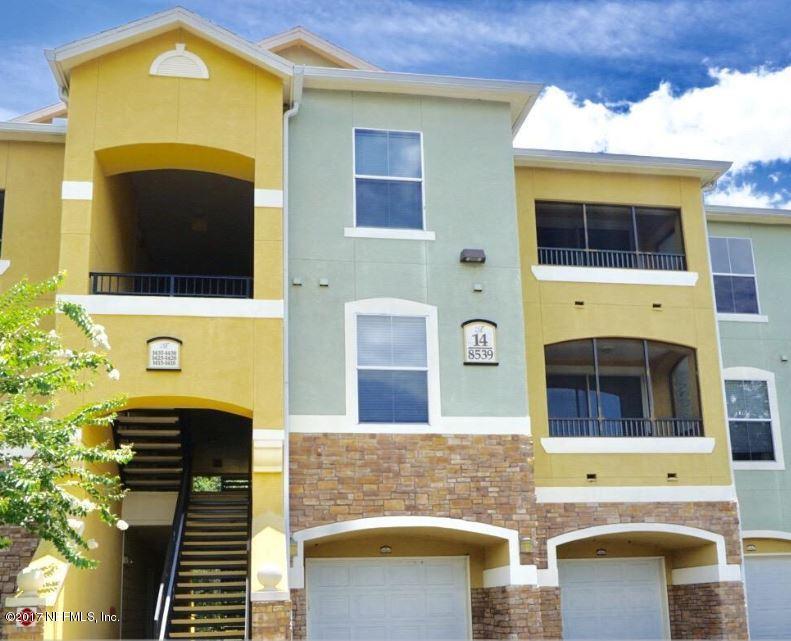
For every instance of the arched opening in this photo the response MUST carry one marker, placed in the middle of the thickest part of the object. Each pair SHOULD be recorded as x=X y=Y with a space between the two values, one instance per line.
x=188 y=511
x=622 y=387
x=173 y=232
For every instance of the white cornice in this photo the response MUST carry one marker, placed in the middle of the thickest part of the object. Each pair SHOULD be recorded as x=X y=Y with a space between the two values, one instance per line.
x=44 y=114
x=761 y=215
x=64 y=58
x=519 y=95
x=708 y=171
x=34 y=132
x=301 y=36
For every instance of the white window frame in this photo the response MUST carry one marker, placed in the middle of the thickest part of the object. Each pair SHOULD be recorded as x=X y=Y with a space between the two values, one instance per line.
x=388 y=232
x=756 y=374
x=748 y=317
x=392 y=307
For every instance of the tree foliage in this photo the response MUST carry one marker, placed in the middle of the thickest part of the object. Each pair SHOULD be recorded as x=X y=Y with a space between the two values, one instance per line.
x=50 y=480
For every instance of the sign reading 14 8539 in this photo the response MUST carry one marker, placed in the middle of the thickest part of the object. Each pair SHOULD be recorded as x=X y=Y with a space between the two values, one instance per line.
x=480 y=342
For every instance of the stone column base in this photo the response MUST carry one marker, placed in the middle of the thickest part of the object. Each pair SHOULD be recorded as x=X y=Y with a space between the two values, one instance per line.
x=271 y=621
x=515 y=612
x=708 y=611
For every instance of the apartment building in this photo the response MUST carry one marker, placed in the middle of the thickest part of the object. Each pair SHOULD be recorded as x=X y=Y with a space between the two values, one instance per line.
x=388 y=377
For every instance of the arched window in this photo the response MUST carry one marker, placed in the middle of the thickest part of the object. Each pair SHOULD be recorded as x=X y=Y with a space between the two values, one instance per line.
x=622 y=387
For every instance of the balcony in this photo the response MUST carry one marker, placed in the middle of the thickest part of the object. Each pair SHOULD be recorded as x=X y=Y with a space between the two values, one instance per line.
x=610 y=236
x=619 y=387
x=138 y=284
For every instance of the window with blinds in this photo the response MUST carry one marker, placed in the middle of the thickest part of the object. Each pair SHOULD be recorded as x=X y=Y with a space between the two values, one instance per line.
x=392 y=369
x=388 y=179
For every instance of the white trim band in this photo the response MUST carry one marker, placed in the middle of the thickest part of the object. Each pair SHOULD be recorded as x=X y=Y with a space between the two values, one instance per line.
x=339 y=423
x=267 y=197
x=270 y=595
x=177 y=306
x=742 y=318
x=389 y=234
x=766 y=534
x=636 y=494
x=4 y=265
x=618 y=445
x=706 y=574
x=76 y=190
x=564 y=274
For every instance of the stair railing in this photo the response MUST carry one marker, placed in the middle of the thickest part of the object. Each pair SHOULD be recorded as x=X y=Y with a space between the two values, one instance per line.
x=167 y=583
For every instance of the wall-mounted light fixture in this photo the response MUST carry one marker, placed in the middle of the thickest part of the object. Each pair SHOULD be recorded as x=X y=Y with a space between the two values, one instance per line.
x=385 y=549
x=472 y=256
x=601 y=552
x=751 y=547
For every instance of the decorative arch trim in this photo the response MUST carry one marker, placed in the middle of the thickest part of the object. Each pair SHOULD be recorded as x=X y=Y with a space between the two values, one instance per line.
x=512 y=574
x=179 y=63
x=766 y=534
x=714 y=573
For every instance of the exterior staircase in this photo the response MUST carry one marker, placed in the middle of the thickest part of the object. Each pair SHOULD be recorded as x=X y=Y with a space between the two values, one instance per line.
x=157 y=441
x=211 y=593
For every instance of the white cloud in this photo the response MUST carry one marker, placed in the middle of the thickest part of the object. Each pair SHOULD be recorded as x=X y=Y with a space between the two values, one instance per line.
x=743 y=117
x=746 y=195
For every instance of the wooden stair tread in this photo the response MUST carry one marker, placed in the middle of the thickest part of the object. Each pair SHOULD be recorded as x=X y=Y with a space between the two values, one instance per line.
x=216 y=596
x=207 y=634
x=214 y=553
x=227 y=543
x=208 y=621
x=152 y=446
x=155 y=419
x=209 y=608
x=211 y=573
x=149 y=433
x=211 y=563
x=211 y=584
x=189 y=532
x=130 y=469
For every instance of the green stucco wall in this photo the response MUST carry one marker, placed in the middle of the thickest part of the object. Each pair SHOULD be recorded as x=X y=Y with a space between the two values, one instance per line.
x=765 y=496
x=469 y=194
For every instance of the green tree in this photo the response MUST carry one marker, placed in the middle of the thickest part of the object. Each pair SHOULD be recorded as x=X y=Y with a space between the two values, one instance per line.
x=50 y=479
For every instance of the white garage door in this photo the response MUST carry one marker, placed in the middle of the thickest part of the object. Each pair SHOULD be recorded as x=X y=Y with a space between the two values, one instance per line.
x=768 y=583
x=395 y=598
x=613 y=599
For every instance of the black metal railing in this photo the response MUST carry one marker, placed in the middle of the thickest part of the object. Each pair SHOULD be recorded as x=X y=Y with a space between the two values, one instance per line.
x=167 y=583
x=630 y=427
x=611 y=258
x=134 y=284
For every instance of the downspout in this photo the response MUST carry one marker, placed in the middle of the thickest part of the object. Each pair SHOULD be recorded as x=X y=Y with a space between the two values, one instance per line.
x=296 y=97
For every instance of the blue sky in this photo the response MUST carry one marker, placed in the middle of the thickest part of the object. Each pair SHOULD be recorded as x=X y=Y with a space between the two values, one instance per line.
x=689 y=78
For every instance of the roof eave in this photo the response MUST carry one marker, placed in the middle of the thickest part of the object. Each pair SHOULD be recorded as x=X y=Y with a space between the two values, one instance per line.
x=32 y=132
x=301 y=36
x=62 y=59
x=707 y=171
x=750 y=215
x=519 y=95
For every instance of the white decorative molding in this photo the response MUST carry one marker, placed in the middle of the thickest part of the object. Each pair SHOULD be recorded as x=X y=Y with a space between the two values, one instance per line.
x=515 y=574
x=268 y=450
x=340 y=423
x=177 y=306
x=625 y=445
x=76 y=190
x=706 y=574
x=742 y=373
x=742 y=318
x=179 y=63
x=636 y=494
x=549 y=577
x=389 y=234
x=267 y=197
x=766 y=534
x=564 y=274
x=270 y=595
x=4 y=265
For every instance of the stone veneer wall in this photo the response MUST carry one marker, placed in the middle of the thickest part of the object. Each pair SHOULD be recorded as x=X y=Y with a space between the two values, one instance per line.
x=707 y=611
x=15 y=557
x=271 y=620
x=515 y=612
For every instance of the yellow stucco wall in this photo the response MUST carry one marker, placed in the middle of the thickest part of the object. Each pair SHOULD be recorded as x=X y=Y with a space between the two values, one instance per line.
x=768 y=546
x=686 y=317
x=30 y=175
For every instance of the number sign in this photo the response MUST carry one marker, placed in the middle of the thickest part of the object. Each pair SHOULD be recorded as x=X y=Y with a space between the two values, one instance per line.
x=164 y=352
x=480 y=342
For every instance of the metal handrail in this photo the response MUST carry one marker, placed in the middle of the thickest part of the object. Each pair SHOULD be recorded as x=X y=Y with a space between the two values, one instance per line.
x=167 y=582
x=187 y=285
x=628 y=427
x=618 y=259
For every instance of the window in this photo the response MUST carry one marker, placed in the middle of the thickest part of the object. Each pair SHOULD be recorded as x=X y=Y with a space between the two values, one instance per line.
x=622 y=387
x=749 y=420
x=388 y=179
x=392 y=369
x=615 y=236
x=734 y=275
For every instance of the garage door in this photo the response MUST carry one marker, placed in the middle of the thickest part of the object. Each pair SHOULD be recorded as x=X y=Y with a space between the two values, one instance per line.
x=414 y=598
x=613 y=599
x=768 y=583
